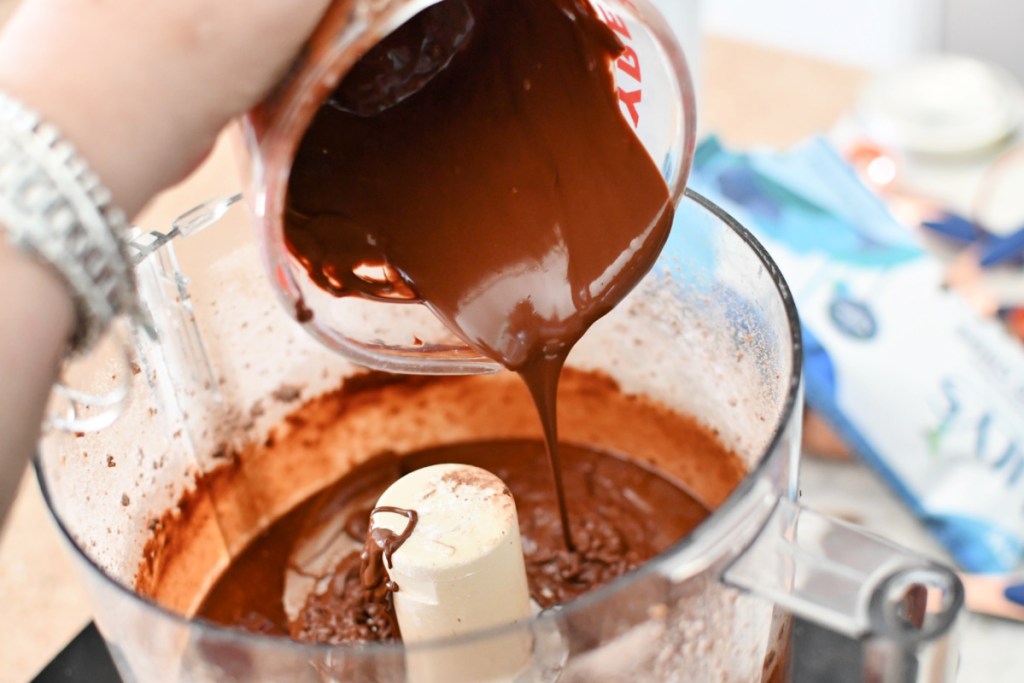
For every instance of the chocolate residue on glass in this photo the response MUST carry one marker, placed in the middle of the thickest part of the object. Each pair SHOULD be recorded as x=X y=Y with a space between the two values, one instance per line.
x=476 y=160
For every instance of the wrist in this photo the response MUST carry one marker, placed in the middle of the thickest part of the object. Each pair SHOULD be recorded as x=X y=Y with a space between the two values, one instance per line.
x=46 y=317
x=56 y=210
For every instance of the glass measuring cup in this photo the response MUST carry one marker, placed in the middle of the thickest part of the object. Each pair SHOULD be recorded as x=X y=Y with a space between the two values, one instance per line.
x=655 y=95
x=718 y=338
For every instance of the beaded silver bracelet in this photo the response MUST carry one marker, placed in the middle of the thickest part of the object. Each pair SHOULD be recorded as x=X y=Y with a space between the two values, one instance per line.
x=57 y=210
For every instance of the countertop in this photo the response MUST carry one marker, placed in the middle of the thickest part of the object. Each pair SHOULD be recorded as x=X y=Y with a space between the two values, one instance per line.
x=752 y=96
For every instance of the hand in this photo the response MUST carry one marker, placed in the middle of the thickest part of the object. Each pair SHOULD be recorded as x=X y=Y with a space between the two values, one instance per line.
x=143 y=87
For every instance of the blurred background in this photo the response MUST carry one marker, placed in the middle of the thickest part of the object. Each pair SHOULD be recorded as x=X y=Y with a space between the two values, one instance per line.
x=875 y=34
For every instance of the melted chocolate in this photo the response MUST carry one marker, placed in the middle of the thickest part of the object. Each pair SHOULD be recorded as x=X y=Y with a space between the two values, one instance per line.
x=348 y=433
x=623 y=514
x=476 y=161
x=505 y=190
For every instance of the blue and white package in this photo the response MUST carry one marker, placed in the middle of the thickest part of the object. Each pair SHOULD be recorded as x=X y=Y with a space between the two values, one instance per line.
x=926 y=390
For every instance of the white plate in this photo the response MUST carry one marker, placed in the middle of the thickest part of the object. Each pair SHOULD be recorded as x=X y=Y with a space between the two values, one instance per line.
x=942 y=105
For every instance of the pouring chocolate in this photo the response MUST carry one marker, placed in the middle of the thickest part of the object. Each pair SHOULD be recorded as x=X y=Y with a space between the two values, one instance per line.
x=476 y=160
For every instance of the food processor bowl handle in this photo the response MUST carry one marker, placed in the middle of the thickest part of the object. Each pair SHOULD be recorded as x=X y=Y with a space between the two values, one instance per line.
x=902 y=607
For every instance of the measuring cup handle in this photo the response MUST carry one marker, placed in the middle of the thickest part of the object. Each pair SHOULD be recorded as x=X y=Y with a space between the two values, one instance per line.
x=902 y=606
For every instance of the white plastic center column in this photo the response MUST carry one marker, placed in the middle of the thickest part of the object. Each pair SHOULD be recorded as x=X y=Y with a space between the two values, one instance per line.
x=459 y=572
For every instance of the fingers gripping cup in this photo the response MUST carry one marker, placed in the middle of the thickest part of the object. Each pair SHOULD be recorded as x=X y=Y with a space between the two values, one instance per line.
x=480 y=150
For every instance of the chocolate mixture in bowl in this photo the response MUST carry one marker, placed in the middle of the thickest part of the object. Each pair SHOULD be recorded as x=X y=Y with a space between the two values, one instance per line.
x=301 y=577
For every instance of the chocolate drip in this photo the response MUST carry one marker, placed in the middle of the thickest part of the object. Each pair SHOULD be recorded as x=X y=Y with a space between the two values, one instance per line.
x=542 y=380
x=378 y=550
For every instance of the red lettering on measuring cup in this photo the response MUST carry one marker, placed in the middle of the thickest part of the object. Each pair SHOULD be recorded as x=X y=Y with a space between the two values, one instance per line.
x=628 y=63
x=631 y=98
x=615 y=23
